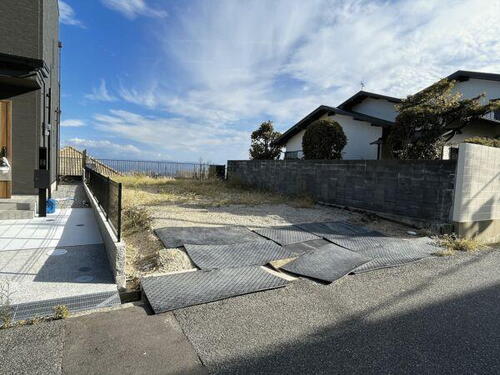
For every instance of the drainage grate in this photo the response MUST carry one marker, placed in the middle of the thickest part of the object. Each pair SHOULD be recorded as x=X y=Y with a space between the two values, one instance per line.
x=209 y=257
x=171 y=292
x=286 y=235
x=45 y=308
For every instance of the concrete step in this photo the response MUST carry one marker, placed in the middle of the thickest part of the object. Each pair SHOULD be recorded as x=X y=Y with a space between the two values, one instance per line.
x=16 y=214
x=17 y=206
x=18 y=203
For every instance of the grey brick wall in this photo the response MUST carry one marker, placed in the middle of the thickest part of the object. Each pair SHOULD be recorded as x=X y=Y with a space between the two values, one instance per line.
x=417 y=189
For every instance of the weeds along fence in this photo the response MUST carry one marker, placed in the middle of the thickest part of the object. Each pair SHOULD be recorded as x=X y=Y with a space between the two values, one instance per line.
x=166 y=168
x=108 y=194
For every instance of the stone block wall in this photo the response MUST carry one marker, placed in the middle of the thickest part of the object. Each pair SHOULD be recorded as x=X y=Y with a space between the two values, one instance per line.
x=416 y=189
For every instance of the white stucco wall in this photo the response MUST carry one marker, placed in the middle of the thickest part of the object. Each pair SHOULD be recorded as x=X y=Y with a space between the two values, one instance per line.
x=380 y=108
x=476 y=130
x=359 y=136
x=477 y=191
x=474 y=87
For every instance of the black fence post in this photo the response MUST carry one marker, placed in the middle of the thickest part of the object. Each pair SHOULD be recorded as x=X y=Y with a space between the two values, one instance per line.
x=107 y=198
x=119 y=229
x=84 y=159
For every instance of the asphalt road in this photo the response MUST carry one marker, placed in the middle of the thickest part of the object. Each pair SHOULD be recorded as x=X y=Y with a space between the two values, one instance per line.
x=437 y=316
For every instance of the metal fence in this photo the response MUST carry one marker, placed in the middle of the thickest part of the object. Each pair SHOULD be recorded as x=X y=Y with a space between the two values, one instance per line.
x=166 y=168
x=108 y=194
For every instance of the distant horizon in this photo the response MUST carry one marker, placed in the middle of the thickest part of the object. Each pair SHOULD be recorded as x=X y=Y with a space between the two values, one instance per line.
x=167 y=80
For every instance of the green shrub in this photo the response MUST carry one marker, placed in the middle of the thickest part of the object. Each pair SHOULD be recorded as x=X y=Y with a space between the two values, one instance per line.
x=485 y=141
x=323 y=139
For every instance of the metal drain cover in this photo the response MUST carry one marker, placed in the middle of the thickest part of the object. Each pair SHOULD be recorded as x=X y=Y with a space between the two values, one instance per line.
x=57 y=252
x=84 y=279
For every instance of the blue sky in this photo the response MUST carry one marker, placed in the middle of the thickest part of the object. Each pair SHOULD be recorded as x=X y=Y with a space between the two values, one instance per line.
x=188 y=80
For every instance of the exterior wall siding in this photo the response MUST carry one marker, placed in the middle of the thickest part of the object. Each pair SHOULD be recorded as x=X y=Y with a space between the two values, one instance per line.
x=30 y=28
x=416 y=189
x=377 y=108
x=359 y=135
x=474 y=87
x=20 y=28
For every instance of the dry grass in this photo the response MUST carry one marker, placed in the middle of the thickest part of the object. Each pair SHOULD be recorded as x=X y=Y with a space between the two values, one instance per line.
x=145 y=253
x=148 y=191
x=452 y=244
x=5 y=301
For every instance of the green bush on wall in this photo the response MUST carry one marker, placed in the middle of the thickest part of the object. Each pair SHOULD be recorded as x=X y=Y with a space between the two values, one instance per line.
x=323 y=139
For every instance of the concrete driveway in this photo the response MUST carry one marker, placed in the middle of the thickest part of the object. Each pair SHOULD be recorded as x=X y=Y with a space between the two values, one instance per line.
x=437 y=316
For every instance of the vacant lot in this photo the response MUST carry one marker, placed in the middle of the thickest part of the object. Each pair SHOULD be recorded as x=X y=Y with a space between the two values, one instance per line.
x=152 y=203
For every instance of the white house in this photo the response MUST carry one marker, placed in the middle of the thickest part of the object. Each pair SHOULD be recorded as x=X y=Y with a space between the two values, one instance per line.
x=366 y=119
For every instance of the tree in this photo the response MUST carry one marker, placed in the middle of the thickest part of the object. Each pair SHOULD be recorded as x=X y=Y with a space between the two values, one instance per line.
x=430 y=118
x=263 y=147
x=323 y=139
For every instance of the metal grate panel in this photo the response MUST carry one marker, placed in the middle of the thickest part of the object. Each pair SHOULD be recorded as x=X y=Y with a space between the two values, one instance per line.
x=306 y=247
x=227 y=235
x=334 y=228
x=170 y=292
x=396 y=252
x=209 y=257
x=357 y=242
x=329 y=263
x=286 y=235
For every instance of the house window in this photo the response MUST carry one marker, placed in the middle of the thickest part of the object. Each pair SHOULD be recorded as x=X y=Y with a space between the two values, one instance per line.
x=294 y=154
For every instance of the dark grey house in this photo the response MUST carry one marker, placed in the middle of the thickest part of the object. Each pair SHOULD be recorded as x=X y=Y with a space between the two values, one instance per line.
x=29 y=96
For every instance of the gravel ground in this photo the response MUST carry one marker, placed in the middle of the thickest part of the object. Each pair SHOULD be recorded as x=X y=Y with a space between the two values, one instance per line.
x=32 y=350
x=440 y=315
x=252 y=217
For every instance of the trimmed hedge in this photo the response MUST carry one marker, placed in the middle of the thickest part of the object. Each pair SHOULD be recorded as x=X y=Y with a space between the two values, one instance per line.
x=323 y=139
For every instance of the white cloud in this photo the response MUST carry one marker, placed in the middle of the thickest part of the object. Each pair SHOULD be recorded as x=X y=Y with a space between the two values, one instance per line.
x=67 y=15
x=134 y=8
x=175 y=136
x=101 y=93
x=72 y=123
x=243 y=62
x=103 y=148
